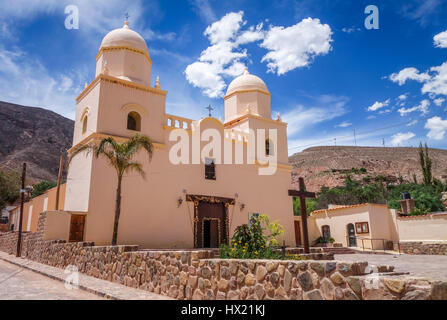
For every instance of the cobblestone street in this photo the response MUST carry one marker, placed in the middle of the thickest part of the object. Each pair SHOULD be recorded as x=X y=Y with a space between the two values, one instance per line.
x=17 y=283
x=426 y=266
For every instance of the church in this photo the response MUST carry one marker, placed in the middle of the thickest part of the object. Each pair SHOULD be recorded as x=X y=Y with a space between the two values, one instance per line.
x=191 y=204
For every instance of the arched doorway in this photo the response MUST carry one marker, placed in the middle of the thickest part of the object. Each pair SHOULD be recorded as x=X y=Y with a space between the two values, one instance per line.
x=352 y=241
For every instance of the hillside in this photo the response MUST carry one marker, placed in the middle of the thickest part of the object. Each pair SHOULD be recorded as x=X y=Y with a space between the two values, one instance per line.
x=328 y=165
x=33 y=135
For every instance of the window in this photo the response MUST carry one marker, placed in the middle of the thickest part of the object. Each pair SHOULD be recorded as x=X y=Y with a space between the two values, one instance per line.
x=210 y=169
x=268 y=147
x=362 y=227
x=84 y=125
x=326 y=231
x=134 y=121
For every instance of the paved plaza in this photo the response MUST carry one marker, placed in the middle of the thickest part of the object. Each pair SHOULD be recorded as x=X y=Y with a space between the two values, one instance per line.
x=17 y=283
x=426 y=266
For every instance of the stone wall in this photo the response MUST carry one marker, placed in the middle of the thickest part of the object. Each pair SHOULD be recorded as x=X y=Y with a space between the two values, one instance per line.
x=423 y=248
x=197 y=275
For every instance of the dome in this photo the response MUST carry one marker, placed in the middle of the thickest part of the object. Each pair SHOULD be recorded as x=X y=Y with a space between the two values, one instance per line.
x=125 y=37
x=245 y=82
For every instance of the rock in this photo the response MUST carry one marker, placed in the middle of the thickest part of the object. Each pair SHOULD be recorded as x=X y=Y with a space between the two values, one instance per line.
x=274 y=278
x=261 y=272
x=223 y=285
x=240 y=277
x=198 y=295
x=132 y=270
x=280 y=294
x=318 y=267
x=314 y=295
x=296 y=294
x=337 y=278
x=345 y=268
x=302 y=266
x=339 y=295
x=287 y=280
x=192 y=281
x=244 y=293
x=233 y=295
x=330 y=266
x=233 y=267
x=355 y=285
x=349 y=295
x=281 y=270
x=328 y=289
x=305 y=281
x=225 y=273
x=438 y=290
x=250 y=280
x=233 y=283
x=395 y=285
x=269 y=289
x=416 y=295
x=183 y=278
x=271 y=266
x=259 y=290
x=292 y=267
x=206 y=272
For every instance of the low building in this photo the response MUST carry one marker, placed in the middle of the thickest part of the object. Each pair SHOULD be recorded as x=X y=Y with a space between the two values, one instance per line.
x=373 y=226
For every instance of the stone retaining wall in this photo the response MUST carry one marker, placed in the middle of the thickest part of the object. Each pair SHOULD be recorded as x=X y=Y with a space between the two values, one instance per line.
x=197 y=275
x=423 y=248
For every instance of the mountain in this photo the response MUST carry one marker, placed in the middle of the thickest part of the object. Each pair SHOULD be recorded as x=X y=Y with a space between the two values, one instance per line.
x=327 y=166
x=36 y=136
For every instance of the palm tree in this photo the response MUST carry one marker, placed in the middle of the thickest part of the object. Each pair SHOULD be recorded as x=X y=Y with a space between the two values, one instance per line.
x=119 y=155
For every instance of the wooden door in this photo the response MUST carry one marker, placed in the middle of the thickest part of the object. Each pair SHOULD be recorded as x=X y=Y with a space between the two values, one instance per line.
x=298 y=233
x=211 y=228
x=77 y=228
x=351 y=236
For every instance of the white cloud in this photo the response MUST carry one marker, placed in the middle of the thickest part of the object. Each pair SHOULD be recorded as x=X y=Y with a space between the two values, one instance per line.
x=440 y=40
x=409 y=74
x=204 y=10
x=296 y=46
x=289 y=48
x=327 y=107
x=24 y=80
x=403 y=97
x=399 y=138
x=351 y=29
x=437 y=84
x=437 y=128
x=344 y=124
x=412 y=123
x=422 y=107
x=378 y=105
x=439 y=101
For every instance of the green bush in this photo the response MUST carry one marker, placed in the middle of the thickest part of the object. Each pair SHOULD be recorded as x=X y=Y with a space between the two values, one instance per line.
x=254 y=241
x=427 y=197
x=41 y=187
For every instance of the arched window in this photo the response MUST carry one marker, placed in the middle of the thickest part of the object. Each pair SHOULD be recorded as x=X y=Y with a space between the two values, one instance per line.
x=268 y=147
x=134 y=121
x=326 y=231
x=84 y=125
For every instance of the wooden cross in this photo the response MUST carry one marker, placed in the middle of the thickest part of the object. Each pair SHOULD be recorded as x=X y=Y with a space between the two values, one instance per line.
x=127 y=16
x=303 y=194
x=209 y=108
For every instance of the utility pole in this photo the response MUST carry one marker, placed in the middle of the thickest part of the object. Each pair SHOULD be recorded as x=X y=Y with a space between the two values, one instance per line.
x=22 y=200
x=59 y=176
x=383 y=142
x=355 y=139
x=335 y=141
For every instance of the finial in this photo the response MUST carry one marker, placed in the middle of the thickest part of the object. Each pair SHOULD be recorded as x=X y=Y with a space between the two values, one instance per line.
x=246 y=71
x=85 y=85
x=126 y=22
x=279 y=117
x=157 y=83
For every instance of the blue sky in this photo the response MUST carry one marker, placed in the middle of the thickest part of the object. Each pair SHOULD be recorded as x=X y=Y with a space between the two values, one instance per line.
x=328 y=75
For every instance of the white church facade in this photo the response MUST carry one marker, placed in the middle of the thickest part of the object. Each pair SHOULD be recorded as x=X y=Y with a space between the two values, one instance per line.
x=187 y=205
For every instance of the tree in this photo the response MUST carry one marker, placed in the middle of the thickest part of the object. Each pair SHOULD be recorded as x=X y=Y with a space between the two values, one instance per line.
x=426 y=165
x=9 y=187
x=41 y=187
x=119 y=155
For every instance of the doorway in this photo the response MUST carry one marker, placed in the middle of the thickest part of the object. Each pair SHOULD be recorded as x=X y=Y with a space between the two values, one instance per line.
x=77 y=225
x=211 y=225
x=352 y=241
